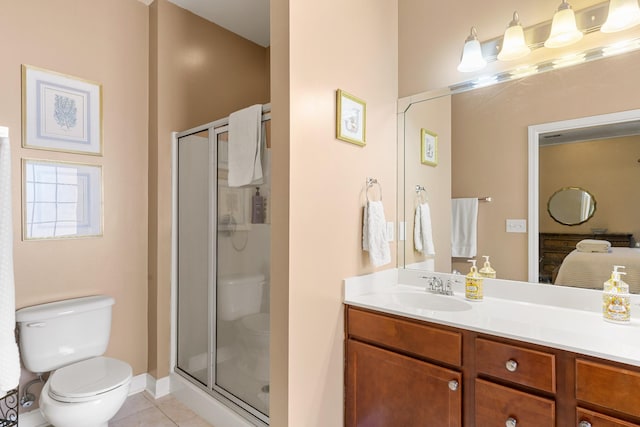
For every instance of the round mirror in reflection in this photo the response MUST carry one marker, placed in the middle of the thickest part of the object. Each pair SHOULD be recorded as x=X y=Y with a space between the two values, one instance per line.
x=571 y=205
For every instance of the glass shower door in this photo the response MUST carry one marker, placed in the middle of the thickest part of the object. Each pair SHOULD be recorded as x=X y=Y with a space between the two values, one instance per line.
x=194 y=256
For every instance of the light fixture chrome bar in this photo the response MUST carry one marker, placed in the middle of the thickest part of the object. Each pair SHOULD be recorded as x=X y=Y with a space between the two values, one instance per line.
x=589 y=20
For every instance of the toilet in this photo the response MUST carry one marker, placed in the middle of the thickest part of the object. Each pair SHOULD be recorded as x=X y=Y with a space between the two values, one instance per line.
x=240 y=301
x=68 y=338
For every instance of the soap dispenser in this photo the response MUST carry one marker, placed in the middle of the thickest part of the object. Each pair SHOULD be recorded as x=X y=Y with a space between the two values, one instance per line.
x=473 y=283
x=487 y=271
x=616 y=300
x=257 y=208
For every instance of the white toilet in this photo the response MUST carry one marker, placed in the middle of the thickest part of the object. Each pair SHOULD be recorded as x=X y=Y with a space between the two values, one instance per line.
x=69 y=337
x=240 y=300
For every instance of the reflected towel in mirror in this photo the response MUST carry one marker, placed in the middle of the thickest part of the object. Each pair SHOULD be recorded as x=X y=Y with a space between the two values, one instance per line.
x=374 y=234
x=464 y=227
x=422 y=231
x=593 y=245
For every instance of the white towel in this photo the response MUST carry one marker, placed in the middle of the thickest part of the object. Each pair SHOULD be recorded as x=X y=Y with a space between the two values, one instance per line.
x=374 y=234
x=245 y=146
x=464 y=227
x=422 y=231
x=9 y=356
x=593 y=245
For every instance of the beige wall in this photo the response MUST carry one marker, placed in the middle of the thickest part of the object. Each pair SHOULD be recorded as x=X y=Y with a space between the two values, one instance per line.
x=490 y=141
x=325 y=188
x=105 y=42
x=199 y=73
x=432 y=34
x=608 y=169
x=435 y=116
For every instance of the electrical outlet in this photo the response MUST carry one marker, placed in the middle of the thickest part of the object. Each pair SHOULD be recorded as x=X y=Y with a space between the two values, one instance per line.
x=516 y=226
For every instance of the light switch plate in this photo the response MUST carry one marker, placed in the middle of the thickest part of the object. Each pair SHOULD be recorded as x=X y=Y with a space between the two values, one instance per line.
x=402 y=234
x=516 y=226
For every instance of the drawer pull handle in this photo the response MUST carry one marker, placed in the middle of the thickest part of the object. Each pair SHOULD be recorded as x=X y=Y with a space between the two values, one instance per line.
x=511 y=365
x=584 y=424
x=453 y=385
x=511 y=422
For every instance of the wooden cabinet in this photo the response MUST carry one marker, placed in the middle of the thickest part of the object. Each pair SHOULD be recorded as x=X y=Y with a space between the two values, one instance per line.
x=554 y=247
x=386 y=389
x=404 y=372
x=496 y=405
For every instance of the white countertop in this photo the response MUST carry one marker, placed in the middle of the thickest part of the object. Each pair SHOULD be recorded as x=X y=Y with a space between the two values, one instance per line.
x=554 y=316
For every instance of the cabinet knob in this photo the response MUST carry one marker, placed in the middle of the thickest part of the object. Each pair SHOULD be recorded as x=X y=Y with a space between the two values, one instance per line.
x=453 y=385
x=584 y=424
x=511 y=365
x=511 y=422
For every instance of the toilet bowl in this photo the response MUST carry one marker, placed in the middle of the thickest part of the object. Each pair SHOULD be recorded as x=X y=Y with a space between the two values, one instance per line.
x=68 y=338
x=253 y=338
x=87 y=393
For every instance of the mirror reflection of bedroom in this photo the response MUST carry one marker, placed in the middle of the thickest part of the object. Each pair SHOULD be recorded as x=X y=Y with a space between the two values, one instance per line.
x=588 y=208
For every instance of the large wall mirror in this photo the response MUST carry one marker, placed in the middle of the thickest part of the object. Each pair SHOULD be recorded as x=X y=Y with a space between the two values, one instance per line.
x=518 y=142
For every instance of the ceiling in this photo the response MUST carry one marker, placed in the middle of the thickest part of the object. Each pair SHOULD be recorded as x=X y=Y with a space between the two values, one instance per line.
x=247 y=18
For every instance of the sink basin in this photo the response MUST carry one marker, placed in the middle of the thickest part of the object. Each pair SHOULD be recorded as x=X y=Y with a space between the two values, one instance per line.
x=428 y=301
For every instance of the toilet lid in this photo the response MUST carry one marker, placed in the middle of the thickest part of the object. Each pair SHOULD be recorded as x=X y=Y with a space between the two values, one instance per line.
x=258 y=323
x=83 y=380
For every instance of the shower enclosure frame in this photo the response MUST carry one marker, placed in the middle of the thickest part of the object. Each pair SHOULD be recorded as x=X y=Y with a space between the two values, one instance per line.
x=243 y=409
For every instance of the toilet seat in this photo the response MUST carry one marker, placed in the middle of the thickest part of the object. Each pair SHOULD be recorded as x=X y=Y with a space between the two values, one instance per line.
x=256 y=323
x=83 y=381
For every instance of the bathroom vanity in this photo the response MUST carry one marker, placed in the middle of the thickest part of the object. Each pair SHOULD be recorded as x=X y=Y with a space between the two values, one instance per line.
x=500 y=362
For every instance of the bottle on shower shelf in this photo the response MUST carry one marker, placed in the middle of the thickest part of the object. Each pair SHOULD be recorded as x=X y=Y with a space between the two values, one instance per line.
x=257 y=208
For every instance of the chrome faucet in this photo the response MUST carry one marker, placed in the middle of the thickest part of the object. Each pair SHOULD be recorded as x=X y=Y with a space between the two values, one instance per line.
x=437 y=286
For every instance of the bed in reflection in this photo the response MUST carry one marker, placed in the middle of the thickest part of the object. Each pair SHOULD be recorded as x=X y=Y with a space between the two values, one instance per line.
x=591 y=270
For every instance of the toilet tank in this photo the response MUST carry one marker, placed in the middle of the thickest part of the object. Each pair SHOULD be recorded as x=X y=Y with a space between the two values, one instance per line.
x=239 y=295
x=56 y=334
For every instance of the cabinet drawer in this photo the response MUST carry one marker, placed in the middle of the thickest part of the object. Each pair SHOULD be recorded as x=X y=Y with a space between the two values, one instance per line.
x=595 y=419
x=608 y=386
x=411 y=337
x=495 y=404
x=516 y=364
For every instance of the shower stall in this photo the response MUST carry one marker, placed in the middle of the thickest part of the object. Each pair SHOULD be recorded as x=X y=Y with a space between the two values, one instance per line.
x=221 y=269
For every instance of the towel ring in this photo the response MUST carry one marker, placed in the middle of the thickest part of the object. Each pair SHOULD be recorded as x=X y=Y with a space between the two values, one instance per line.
x=419 y=190
x=370 y=183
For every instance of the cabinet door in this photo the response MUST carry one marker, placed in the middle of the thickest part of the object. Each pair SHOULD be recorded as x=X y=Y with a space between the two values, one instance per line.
x=503 y=406
x=386 y=389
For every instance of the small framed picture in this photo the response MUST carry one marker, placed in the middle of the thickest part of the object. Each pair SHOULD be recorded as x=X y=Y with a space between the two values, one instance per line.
x=234 y=207
x=60 y=112
x=351 y=118
x=61 y=200
x=428 y=147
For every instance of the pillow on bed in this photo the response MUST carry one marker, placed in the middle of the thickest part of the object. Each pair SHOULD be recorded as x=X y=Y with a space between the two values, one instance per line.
x=592 y=245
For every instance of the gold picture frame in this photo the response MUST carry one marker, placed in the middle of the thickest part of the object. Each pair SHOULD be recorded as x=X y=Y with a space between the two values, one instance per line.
x=351 y=118
x=428 y=147
x=61 y=112
x=61 y=200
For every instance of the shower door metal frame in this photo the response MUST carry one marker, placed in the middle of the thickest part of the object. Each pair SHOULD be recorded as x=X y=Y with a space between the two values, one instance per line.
x=245 y=410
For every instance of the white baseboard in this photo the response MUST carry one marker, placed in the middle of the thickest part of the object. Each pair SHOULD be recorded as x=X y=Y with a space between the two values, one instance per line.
x=32 y=419
x=139 y=383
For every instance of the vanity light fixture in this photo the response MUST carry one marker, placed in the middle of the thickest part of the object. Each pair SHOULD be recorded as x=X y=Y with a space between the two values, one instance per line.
x=568 y=60
x=623 y=14
x=514 y=45
x=564 y=30
x=472 y=59
x=621 y=47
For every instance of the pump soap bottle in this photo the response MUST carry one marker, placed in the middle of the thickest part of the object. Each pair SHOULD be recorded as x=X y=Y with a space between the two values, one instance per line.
x=487 y=271
x=473 y=283
x=257 y=208
x=616 y=301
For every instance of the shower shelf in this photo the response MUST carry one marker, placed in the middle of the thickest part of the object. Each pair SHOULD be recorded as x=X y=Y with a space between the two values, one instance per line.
x=9 y=409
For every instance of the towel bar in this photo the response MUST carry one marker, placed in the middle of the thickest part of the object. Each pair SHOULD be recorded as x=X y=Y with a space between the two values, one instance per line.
x=370 y=182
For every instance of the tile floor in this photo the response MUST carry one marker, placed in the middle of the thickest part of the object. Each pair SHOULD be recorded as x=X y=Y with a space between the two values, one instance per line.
x=142 y=410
